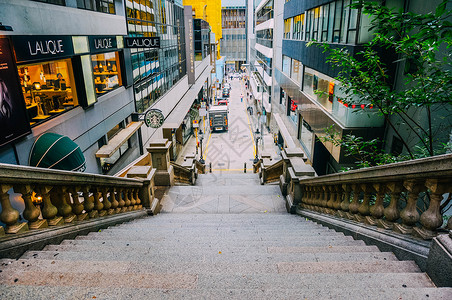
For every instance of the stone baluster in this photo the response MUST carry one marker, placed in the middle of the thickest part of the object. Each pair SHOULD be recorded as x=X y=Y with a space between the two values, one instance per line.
x=138 y=200
x=31 y=212
x=114 y=202
x=88 y=203
x=339 y=195
x=345 y=201
x=325 y=199
x=311 y=197
x=391 y=212
x=330 y=203
x=9 y=215
x=133 y=202
x=305 y=198
x=122 y=202
x=354 y=205
x=106 y=202
x=377 y=210
x=99 y=206
x=431 y=219
x=364 y=208
x=59 y=197
x=409 y=214
x=126 y=199
x=318 y=198
x=49 y=211
x=77 y=206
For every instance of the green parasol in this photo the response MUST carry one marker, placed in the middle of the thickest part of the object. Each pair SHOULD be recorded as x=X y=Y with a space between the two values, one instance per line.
x=55 y=151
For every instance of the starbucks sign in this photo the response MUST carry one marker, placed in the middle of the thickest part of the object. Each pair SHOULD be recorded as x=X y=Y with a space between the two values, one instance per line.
x=154 y=118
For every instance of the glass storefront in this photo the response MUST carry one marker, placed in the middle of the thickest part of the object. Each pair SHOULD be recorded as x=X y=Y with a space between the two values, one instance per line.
x=106 y=71
x=48 y=89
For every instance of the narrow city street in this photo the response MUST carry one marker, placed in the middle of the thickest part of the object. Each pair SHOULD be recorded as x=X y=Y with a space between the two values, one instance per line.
x=230 y=150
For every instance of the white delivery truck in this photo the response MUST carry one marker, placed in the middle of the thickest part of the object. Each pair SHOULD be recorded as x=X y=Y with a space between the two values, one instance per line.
x=218 y=118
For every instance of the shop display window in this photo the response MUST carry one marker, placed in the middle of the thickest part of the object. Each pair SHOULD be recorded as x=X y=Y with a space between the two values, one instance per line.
x=107 y=72
x=48 y=89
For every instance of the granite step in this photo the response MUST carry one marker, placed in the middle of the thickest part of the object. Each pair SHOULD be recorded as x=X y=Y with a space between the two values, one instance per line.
x=209 y=256
x=89 y=247
x=345 y=241
x=76 y=293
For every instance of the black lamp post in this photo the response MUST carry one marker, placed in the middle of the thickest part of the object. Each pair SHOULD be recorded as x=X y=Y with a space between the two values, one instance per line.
x=201 y=136
x=257 y=137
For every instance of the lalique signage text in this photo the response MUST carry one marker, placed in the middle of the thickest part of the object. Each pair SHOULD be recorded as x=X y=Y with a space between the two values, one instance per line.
x=142 y=42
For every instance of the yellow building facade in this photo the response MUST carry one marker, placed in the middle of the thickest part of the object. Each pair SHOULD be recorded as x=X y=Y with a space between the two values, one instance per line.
x=210 y=11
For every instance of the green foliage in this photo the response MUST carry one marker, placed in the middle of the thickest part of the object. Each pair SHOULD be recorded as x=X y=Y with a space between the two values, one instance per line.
x=423 y=42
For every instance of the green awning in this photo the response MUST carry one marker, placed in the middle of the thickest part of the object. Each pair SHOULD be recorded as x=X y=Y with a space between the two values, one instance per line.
x=55 y=151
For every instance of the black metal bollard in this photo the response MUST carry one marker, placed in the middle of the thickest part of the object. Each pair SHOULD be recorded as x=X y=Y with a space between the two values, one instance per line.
x=244 y=168
x=210 y=167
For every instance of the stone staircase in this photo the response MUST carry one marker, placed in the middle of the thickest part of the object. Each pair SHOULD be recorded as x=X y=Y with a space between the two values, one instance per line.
x=260 y=253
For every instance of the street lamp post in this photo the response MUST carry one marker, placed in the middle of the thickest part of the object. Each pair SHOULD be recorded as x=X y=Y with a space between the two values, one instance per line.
x=201 y=137
x=257 y=137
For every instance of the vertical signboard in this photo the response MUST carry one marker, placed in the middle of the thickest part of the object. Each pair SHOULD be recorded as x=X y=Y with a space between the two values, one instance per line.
x=13 y=114
x=189 y=44
x=213 y=57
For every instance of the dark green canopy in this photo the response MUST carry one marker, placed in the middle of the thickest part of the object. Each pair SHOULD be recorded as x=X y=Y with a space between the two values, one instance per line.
x=55 y=151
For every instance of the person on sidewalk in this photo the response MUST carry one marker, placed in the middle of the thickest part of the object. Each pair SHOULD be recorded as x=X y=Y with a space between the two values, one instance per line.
x=241 y=98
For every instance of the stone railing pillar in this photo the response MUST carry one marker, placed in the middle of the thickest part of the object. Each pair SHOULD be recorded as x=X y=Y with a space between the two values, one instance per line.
x=49 y=211
x=364 y=208
x=59 y=197
x=159 y=151
x=391 y=212
x=432 y=219
x=88 y=203
x=9 y=215
x=31 y=212
x=354 y=205
x=377 y=210
x=114 y=202
x=409 y=214
x=339 y=195
x=122 y=203
x=345 y=201
x=98 y=206
x=106 y=202
x=77 y=206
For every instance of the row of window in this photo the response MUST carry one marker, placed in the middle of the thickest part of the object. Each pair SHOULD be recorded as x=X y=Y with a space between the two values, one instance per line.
x=233 y=37
x=104 y=6
x=265 y=14
x=334 y=22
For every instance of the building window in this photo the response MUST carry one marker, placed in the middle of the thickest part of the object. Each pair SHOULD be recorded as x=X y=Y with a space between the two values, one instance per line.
x=286 y=65
x=107 y=72
x=48 y=89
x=298 y=27
x=296 y=70
x=104 y=6
x=287 y=24
x=57 y=2
x=319 y=87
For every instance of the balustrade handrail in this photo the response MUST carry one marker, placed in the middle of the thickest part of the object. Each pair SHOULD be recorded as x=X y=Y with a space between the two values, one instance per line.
x=16 y=174
x=56 y=197
x=435 y=166
x=374 y=195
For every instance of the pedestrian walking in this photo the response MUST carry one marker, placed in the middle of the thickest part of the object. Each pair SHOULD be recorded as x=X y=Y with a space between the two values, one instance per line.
x=241 y=98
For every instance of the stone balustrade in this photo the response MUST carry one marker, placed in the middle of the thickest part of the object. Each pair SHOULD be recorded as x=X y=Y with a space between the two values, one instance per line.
x=403 y=197
x=186 y=172
x=53 y=197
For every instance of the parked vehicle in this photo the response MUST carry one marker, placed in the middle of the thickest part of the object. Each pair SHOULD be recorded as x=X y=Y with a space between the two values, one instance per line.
x=225 y=93
x=227 y=86
x=223 y=102
x=218 y=118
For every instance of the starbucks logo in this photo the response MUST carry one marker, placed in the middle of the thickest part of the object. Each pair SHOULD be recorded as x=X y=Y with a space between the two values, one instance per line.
x=154 y=118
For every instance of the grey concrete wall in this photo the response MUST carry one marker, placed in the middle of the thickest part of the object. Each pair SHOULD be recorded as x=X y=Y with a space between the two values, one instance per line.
x=34 y=18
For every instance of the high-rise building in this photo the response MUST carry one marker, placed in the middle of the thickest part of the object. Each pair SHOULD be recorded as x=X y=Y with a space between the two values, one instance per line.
x=261 y=57
x=306 y=99
x=233 y=44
